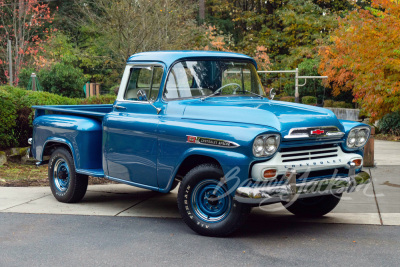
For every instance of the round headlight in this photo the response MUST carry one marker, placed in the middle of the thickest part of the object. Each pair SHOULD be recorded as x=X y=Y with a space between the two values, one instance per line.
x=362 y=136
x=357 y=137
x=258 y=145
x=351 y=139
x=265 y=145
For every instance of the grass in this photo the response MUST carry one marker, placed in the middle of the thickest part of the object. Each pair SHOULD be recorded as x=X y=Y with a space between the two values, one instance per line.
x=18 y=175
x=14 y=174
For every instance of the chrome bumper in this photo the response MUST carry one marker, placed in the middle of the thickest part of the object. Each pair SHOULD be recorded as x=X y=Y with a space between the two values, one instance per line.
x=286 y=192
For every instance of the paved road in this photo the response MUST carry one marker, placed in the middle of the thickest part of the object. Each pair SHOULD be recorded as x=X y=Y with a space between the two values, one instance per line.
x=70 y=240
x=131 y=226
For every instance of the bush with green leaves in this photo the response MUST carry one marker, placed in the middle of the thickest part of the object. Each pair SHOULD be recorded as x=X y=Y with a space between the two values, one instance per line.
x=309 y=100
x=63 y=79
x=287 y=98
x=341 y=104
x=390 y=124
x=328 y=103
x=16 y=113
x=8 y=119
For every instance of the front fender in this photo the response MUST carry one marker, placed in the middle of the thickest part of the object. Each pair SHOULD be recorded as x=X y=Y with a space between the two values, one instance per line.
x=234 y=165
x=348 y=125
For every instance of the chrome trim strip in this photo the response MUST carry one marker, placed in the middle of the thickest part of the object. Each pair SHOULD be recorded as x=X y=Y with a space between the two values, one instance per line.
x=274 y=194
x=210 y=141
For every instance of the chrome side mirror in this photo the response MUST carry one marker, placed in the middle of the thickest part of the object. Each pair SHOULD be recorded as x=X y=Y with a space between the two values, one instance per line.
x=141 y=96
x=272 y=93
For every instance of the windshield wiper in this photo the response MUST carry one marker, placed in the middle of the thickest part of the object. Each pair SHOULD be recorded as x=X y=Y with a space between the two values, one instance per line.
x=252 y=93
x=213 y=94
x=219 y=90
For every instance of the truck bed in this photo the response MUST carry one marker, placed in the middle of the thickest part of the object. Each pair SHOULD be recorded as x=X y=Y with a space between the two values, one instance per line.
x=98 y=111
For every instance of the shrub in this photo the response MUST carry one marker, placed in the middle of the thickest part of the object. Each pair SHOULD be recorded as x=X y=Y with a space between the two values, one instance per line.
x=16 y=113
x=348 y=105
x=390 y=124
x=287 y=98
x=309 y=100
x=328 y=103
x=63 y=79
x=103 y=99
x=8 y=119
x=339 y=104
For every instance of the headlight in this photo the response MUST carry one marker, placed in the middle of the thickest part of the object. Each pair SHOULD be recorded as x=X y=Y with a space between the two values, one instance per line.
x=357 y=137
x=266 y=145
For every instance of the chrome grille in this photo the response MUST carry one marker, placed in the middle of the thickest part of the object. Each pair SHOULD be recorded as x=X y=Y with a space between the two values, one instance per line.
x=309 y=154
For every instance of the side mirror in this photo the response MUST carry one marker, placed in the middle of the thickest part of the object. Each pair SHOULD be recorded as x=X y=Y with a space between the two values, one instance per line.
x=272 y=93
x=141 y=96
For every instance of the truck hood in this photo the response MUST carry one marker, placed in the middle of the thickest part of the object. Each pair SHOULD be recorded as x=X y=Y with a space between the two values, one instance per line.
x=282 y=116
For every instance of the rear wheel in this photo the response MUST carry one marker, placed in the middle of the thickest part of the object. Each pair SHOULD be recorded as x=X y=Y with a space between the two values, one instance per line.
x=314 y=206
x=66 y=185
x=205 y=204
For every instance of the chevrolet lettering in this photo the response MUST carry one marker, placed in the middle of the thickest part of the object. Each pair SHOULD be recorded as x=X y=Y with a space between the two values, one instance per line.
x=202 y=121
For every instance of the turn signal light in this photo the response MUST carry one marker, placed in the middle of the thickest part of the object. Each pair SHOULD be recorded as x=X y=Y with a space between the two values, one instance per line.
x=357 y=162
x=270 y=173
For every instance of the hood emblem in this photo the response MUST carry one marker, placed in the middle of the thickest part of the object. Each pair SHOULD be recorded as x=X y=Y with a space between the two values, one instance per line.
x=317 y=132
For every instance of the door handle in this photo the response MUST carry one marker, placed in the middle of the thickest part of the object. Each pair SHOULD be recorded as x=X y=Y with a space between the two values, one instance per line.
x=118 y=107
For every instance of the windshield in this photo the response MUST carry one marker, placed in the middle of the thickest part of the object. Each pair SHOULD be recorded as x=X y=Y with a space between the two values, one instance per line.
x=205 y=78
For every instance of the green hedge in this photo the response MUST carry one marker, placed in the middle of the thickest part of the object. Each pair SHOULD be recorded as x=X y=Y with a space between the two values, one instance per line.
x=287 y=98
x=309 y=100
x=336 y=104
x=390 y=124
x=16 y=114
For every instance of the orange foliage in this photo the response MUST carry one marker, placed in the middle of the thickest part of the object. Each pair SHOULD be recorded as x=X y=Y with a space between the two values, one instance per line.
x=365 y=58
x=25 y=23
x=221 y=43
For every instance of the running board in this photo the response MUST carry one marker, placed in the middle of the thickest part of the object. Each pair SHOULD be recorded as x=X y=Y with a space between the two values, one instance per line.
x=91 y=172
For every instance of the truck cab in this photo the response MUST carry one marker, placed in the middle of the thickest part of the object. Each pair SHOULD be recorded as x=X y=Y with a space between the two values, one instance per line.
x=202 y=120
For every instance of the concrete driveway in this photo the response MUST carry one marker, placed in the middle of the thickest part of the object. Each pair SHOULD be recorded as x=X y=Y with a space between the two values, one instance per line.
x=378 y=204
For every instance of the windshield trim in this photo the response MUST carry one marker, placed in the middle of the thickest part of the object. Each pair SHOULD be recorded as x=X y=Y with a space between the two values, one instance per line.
x=202 y=59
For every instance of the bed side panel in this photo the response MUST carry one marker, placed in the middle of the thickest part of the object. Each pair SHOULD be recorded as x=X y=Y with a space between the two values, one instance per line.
x=82 y=135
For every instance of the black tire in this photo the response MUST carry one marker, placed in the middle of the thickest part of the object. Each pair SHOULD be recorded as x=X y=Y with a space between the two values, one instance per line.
x=218 y=214
x=66 y=185
x=313 y=206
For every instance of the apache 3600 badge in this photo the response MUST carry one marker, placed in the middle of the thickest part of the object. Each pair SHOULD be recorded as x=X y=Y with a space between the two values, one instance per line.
x=210 y=141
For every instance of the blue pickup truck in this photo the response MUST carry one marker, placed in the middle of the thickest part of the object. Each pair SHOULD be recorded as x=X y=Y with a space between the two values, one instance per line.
x=203 y=120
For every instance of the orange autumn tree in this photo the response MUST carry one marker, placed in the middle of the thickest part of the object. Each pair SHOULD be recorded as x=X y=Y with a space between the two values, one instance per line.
x=365 y=57
x=219 y=42
x=27 y=24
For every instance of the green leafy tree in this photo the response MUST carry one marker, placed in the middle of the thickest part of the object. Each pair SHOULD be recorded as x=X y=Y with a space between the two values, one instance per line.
x=63 y=79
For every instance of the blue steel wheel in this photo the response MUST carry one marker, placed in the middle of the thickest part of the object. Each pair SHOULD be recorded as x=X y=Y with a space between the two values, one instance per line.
x=61 y=175
x=211 y=201
x=66 y=185
x=206 y=204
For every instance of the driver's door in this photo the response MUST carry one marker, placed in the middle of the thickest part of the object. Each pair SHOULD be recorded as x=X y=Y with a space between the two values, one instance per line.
x=130 y=130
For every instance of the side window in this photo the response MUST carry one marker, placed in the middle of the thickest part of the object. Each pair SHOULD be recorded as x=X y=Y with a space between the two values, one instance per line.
x=147 y=79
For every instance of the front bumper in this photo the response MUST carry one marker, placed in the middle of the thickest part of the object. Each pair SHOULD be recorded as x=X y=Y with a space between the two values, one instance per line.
x=267 y=194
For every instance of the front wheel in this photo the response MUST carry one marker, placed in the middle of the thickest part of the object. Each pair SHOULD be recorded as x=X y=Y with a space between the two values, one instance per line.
x=314 y=206
x=205 y=204
x=66 y=185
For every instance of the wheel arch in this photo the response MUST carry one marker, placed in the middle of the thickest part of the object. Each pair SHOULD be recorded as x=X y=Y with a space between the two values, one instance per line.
x=192 y=161
x=53 y=143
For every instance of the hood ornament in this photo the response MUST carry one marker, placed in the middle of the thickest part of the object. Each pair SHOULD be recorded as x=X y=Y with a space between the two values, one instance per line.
x=272 y=93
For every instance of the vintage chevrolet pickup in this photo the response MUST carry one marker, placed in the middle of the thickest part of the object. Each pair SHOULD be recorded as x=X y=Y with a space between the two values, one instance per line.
x=202 y=120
